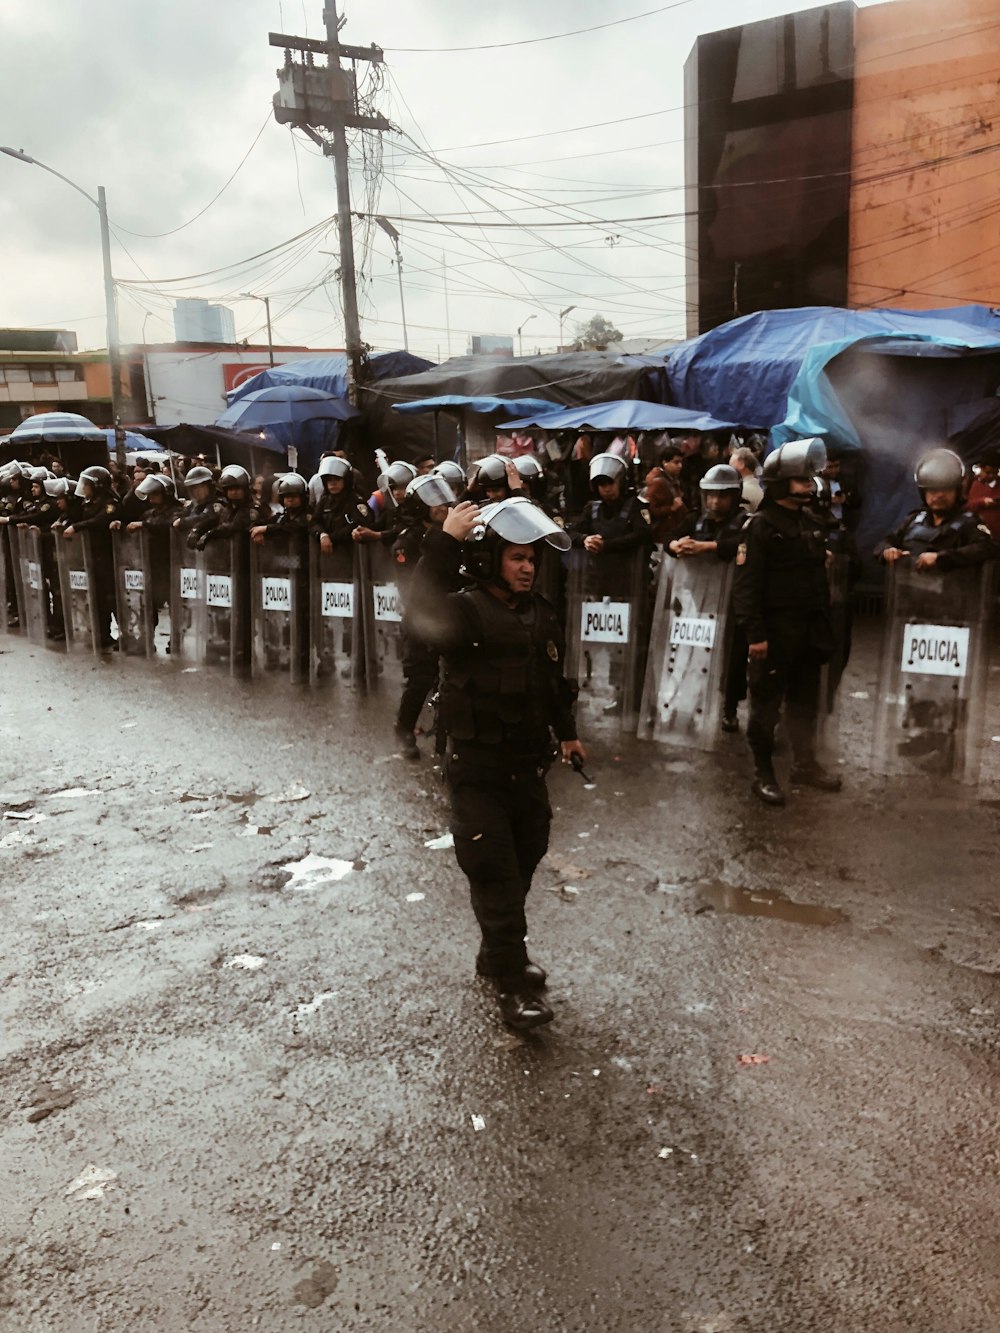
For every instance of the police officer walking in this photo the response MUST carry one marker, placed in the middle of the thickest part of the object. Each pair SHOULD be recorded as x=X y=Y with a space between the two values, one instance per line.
x=782 y=602
x=943 y=535
x=503 y=695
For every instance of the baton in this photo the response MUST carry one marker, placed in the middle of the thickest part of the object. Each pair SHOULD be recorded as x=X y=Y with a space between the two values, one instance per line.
x=577 y=763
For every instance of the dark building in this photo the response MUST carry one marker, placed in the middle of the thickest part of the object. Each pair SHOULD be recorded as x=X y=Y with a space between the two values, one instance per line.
x=768 y=165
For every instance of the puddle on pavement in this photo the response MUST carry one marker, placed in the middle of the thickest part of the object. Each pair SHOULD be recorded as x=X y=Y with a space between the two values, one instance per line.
x=736 y=900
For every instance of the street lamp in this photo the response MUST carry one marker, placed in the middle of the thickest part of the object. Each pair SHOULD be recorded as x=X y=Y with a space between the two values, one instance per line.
x=393 y=235
x=562 y=315
x=114 y=350
x=252 y=296
x=520 y=344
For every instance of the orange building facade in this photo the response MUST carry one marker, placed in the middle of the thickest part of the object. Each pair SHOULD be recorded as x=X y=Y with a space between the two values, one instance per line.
x=925 y=156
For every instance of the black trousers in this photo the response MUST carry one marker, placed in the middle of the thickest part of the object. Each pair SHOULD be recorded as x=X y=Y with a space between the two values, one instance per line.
x=790 y=676
x=500 y=818
x=420 y=673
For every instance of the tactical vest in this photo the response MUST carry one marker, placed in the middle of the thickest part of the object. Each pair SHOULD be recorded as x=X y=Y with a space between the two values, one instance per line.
x=618 y=525
x=498 y=690
x=921 y=534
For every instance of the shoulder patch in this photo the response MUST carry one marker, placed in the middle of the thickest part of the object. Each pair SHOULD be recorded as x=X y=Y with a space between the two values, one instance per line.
x=110 y=509
x=983 y=528
x=741 y=553
x=552 y=651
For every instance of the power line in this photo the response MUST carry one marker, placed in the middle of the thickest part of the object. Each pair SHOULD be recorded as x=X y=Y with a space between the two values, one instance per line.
x=533 y=41
x=157 y=235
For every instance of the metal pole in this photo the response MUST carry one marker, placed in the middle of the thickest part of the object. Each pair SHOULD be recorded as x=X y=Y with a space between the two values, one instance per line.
x=447 y=313
x=270 y=339
x=114 y=349
x=402 y=304
x=348 y=281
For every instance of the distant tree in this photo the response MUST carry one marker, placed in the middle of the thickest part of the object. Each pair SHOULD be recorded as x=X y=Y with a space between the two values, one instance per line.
x=596 y=334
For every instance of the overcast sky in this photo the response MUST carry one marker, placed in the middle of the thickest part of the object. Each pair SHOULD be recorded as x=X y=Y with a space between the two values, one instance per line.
x=159 y=102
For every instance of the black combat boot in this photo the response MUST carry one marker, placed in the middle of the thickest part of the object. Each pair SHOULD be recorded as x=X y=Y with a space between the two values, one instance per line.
x=407 y=743
x=520 y=1007
x=532 y=977
x=765 y=786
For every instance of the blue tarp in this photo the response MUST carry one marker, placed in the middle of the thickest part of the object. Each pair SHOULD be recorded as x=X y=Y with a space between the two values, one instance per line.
x=483 y=406
x=624 y=414
x=330 y=373
x=745 y=370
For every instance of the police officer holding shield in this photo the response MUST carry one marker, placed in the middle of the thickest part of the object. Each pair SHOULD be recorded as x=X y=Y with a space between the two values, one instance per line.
x=503 y=696
x=782 y=602
x=943 y=535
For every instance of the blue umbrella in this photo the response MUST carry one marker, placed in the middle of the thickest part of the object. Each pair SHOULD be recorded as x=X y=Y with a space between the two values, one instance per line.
x=625 y=414
x=483 y=405
x=284 y=405
x=135 y=443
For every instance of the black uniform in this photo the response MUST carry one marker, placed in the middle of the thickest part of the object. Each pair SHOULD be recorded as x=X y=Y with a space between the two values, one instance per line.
x=336 y=516
x=502 y=695
x=727 y=533
x=199 y=518
x=233 y=518
x=781 y=595
x=961 y=541
x=624 y=525
x=420 y=659
x=158 y=520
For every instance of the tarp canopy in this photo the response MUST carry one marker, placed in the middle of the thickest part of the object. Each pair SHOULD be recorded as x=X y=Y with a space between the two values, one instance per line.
x=883 y=386
x=627 y=414
x=745 y=370
x=134 y=443
x=569 y=378
x=329 y=373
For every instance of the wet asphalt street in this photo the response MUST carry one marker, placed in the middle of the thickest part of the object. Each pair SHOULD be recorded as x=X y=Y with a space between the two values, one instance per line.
x=231 y=1100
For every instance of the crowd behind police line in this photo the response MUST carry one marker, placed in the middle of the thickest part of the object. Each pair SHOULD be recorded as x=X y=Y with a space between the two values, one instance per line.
x=676 y=495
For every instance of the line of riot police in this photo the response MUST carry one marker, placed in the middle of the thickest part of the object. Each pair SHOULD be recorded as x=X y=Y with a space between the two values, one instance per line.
x=663 y=640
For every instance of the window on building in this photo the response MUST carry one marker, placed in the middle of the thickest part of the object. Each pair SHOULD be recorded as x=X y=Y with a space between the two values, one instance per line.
x=67 y=374
x=42 y=374
x=16 y=375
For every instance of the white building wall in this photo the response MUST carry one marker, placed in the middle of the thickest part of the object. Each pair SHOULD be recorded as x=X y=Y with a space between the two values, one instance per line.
x=190 y=385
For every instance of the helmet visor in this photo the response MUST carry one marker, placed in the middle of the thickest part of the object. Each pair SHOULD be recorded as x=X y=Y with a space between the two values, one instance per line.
x=432 y=490
x=607 y=466
x=522 y=524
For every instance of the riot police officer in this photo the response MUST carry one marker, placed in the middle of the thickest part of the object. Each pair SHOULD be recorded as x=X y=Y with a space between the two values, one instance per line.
x=616 y=521
x=291 y=492
x=203 y=510
x=425 y=507
x=716 y=533
x=384 y=503
x=13 y=491
x=503 y=695
x=95 y=516
x=943 y=535
x=239 y=511
x=339 y=510
x=492 y=479
x=782 y=602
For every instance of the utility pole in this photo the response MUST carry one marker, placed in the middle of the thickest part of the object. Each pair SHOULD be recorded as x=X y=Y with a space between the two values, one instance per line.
x=562 y=315
x=114 y=344
x=309 y=97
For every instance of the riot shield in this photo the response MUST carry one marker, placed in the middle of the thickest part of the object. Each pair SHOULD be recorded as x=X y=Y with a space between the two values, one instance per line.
x=134 y=578
x=929 y=714
x=279 y=604
x=30 y=584
x=690 y=644
x=335 y=634
x=80 y=591
x=209 y=602
x=381 y=617
x=8 y=584
x=607 y=630
x=187 y=600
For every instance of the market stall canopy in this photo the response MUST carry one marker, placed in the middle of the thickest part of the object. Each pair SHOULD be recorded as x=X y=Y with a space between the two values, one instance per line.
x=483 y=405
x=56 y=428
x=284 y=405
x=624 y=414
x=329 y=373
